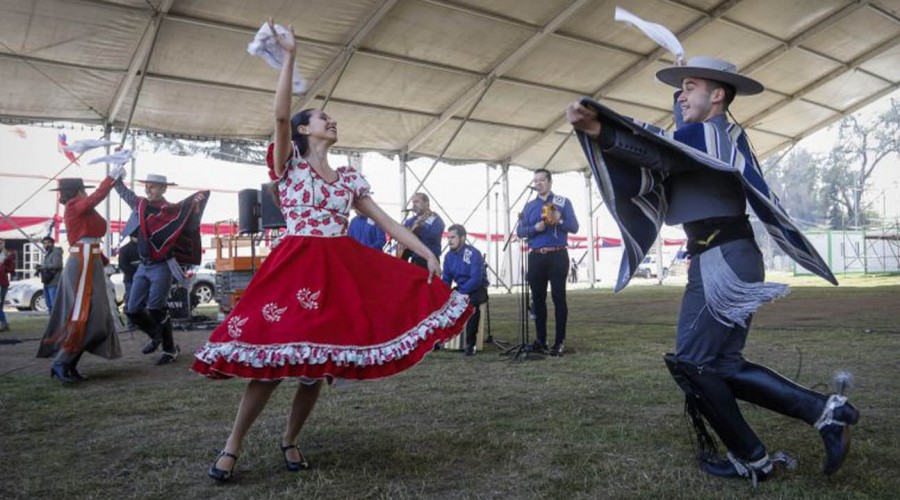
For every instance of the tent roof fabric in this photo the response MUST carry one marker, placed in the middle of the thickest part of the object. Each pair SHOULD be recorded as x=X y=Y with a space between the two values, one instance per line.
x=467 y=80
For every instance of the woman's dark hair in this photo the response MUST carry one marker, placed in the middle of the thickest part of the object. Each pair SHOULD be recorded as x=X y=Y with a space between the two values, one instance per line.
x=300 y=140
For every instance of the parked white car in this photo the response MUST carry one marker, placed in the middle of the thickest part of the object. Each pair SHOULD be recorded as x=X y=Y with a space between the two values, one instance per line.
x=28 y=294
x=203 y=282
x=647 y=268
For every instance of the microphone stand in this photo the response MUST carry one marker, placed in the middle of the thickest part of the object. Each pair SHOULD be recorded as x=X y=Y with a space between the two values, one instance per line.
x=522 y=350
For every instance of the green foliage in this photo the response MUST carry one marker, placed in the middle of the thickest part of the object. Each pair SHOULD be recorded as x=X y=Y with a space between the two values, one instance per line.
x=829 y=189
x=859 y=150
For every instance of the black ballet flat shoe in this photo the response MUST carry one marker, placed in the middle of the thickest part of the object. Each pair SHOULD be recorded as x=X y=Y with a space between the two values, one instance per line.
x=834 y=427
x=60 y=372
x=222 y=475
x=303 y=464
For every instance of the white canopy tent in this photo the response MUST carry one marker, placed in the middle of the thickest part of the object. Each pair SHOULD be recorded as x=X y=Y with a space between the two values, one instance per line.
x=457 y=80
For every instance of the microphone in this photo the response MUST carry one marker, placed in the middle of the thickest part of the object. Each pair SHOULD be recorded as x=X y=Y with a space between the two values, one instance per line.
x=531 y=188
x=406 y=210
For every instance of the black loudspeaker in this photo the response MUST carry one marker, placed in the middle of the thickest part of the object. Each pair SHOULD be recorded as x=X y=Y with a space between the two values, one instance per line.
x=269 y=209
x=248 y=211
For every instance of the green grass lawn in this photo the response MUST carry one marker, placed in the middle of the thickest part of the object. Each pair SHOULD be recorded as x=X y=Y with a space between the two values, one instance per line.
x=605 y=421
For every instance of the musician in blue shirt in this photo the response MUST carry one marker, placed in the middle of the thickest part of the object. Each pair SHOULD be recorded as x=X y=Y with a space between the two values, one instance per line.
x=547 y=221
x=464 y=265
x=365 y=231
x=427 y=226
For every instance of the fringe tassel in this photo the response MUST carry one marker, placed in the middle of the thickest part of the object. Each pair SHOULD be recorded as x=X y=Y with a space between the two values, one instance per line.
x=730 y=300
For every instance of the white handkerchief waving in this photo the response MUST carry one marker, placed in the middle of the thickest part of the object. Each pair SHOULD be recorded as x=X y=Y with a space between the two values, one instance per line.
x=117 y=158
x=264 y=45
x=80 y=147
x=656 y=32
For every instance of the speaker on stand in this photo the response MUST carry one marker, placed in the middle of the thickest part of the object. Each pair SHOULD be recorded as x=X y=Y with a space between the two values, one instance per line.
x=248 y=211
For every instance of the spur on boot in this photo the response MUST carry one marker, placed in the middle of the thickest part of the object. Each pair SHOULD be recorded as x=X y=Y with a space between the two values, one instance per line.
x=834 y=427
x=222 y=475
x=168 y=357
x=756 y=471
x=292 y=466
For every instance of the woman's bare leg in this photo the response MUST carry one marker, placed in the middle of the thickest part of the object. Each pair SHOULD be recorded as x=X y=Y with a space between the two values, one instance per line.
x=255 y=397
x=304 y=401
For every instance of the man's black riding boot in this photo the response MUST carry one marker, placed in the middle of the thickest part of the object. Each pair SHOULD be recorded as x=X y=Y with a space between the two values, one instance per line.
x=831 y=416
x=170 y=350
x=144 y=320
x=713 y=398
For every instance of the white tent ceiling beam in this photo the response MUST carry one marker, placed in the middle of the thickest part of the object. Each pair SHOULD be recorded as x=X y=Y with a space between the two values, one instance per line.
x=531 y=27
x=796 y=41
x=499 y=70
x=58 y=64
x=138 y=61
x=248 y=30
x=850 y=66
x=719 y=11
x=228 y=86
x=828 y=121
x=462 y=124
x=786 y=45
x=345 y=54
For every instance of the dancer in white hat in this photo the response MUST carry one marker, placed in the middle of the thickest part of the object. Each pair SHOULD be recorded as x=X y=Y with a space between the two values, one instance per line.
x=647 y=177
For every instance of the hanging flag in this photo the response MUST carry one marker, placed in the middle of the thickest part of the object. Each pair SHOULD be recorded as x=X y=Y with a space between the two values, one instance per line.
x=61 y=144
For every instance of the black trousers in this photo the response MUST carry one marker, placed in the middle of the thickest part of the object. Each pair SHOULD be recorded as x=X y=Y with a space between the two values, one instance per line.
x=553 y=268
x=414 y=259
x=476 y=298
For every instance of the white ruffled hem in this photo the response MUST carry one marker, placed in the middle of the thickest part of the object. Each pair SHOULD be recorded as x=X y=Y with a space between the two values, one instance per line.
x=277 y=355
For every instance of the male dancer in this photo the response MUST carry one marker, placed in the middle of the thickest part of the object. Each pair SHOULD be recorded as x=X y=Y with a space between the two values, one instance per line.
x=646 y=179
x=169 y=235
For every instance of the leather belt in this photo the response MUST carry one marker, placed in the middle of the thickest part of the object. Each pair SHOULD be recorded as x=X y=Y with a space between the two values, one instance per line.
x=546 y=250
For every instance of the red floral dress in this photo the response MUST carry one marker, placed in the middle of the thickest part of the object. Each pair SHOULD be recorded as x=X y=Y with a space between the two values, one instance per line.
x=323 y=305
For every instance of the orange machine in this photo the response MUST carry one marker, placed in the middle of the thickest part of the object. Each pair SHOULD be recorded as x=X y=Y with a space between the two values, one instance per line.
x=237 y=259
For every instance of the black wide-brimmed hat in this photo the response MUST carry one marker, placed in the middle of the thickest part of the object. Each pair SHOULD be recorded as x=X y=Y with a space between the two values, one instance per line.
x=70 y=184
x=710 y=68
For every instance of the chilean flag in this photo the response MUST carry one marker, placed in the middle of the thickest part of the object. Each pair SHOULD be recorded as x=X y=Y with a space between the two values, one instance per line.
x=60 y=144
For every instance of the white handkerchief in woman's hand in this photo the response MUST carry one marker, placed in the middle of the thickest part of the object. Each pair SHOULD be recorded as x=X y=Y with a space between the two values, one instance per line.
x=264 y=45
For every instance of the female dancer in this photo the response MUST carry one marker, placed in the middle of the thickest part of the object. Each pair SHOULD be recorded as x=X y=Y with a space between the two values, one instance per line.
x=323 y=306
x=81 y=319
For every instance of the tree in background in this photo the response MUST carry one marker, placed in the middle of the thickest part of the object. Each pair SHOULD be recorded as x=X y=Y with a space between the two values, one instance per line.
x=796 y=178
x=860 y=148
